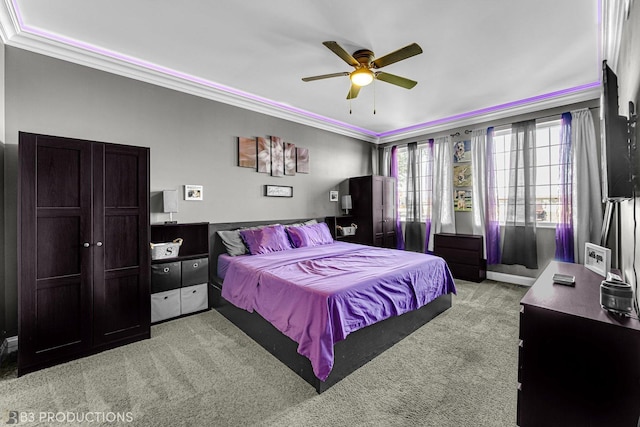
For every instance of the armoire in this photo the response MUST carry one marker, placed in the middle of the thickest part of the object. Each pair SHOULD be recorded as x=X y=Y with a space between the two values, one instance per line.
x=83 y=248
x=374 y=209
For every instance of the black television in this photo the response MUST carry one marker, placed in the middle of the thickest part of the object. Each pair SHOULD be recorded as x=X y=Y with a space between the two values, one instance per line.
x=617 y=183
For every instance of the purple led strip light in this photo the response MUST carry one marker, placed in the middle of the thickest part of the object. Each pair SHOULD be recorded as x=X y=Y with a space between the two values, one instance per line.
x=233 y=91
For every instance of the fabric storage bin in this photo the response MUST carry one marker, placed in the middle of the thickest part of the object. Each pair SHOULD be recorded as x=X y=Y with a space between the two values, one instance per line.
x=195 y=271
x=165 y=305
x=165 y=276
x=194 y=298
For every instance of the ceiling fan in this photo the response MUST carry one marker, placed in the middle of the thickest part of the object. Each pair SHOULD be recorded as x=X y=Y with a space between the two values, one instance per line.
x=364 y=62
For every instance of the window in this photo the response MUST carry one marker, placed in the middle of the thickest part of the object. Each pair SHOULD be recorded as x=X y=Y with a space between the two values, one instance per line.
x=547 y=164
x=425 y=177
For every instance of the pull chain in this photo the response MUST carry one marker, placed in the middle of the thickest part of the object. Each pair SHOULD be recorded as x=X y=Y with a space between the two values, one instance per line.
x=374 y=96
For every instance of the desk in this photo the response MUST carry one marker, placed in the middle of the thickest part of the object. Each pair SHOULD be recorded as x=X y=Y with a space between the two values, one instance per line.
x=578 y=365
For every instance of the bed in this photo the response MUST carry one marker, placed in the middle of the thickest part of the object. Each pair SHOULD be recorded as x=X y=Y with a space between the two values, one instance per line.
x=324 y=308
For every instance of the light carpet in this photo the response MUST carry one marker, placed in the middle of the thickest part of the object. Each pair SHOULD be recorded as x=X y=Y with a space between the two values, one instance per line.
x=458 y=370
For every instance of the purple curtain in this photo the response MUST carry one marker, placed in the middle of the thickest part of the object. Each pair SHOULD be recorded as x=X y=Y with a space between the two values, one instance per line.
x=394 y=173
x=429 y=184
x=493 y=221
x=564 y=226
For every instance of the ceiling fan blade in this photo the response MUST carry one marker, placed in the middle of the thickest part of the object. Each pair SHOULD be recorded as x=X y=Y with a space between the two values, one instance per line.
x=400 y=54
x=324 y=76
x=354 y=90
x=396 y=80
x=338 y=50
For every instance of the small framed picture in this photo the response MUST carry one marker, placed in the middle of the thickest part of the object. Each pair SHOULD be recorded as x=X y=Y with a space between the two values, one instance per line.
x=278 y=191
x=333 y=196
x=597 y=259
x=193 y=192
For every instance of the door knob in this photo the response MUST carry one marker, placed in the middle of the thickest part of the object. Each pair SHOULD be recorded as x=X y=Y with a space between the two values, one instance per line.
x=98 y=244
x=86 y=244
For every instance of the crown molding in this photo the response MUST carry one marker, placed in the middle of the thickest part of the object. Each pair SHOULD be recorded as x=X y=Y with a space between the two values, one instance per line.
x=73 y=51
x=9 y=26
x=590 y=92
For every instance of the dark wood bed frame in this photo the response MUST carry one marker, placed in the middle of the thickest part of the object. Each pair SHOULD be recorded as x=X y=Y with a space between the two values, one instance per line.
x=356 y=350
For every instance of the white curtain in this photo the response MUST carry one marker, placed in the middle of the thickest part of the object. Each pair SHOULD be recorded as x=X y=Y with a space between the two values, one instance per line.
x=375 y=160
x=443 y=219
x=479 y=194
x=587 y=195
x=386 y=161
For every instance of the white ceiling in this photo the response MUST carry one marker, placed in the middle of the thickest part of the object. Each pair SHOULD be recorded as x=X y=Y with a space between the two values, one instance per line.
x=481 y=58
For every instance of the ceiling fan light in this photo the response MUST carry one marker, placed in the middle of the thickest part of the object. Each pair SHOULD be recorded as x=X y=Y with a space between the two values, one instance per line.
x=361 y=77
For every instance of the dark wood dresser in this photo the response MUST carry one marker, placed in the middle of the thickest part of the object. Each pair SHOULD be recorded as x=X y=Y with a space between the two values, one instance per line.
x=463 y=253
x=374 y=210
x=578 y=365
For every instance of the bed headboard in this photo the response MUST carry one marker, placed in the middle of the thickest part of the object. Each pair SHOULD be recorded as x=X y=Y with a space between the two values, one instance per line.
x=216 y=247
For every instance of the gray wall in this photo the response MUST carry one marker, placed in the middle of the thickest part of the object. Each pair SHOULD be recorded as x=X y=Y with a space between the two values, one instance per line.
x=628 y=71
x=192 y=141
x=546 y=237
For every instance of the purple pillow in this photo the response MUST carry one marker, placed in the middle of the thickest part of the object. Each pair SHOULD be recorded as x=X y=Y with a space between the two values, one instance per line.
x=310 y=235
x=265 y=240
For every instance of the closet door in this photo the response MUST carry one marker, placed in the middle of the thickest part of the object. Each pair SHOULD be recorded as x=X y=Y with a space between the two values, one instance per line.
x=54 y=250
x=121 y=229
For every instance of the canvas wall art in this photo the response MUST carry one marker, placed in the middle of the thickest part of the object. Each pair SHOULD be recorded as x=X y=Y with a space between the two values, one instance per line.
x=289 y=159
x=302 y=160
x=247 y=153
x=462 y=175
x=462 y=151
x=462 y=201
x=264 y=155
x=277 y=156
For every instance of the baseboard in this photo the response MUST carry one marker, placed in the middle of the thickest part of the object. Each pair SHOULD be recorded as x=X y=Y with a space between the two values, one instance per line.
x=510 y=278
x=8 y=348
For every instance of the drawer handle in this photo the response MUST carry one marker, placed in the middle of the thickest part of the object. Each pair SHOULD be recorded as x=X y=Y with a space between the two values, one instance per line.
x=194 y=291
x=166 y=297
x=165 y=270
x=195 y=265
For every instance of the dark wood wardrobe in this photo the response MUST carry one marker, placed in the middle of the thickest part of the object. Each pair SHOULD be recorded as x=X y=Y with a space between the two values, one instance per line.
x=374 y=209
x=83 y=248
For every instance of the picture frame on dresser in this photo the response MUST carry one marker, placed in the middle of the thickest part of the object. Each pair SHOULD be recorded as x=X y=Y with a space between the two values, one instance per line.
x=597 y=258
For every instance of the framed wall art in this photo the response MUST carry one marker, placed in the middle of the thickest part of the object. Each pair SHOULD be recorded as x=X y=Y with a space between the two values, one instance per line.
x=193 y=192
x=278 y=191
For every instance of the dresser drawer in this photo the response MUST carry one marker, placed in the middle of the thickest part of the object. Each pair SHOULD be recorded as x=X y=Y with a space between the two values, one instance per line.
x=459 y=241
x=195 y=271
x=165 y=276
x=194 y=298
x=459 y=256
x=165 y=305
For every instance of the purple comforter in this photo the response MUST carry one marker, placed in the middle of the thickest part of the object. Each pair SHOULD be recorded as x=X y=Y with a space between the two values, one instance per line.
x=318 y=295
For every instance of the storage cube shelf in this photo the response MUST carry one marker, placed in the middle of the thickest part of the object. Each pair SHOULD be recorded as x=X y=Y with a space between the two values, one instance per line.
x=179 y=285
